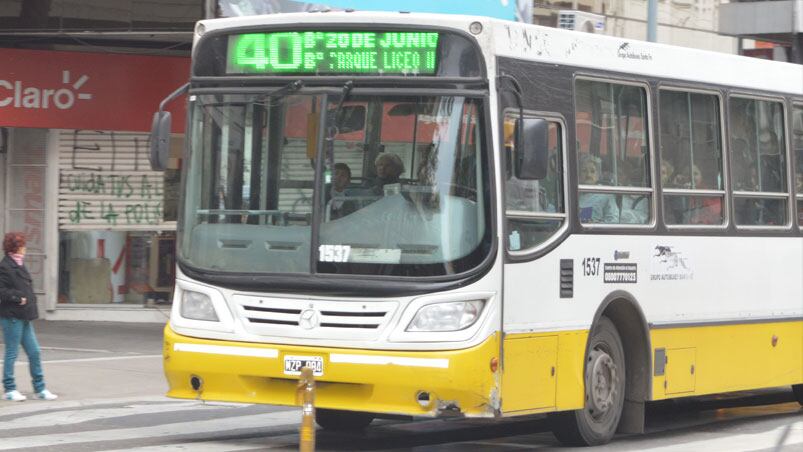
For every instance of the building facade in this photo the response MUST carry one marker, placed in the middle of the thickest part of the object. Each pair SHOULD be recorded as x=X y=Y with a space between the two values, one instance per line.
x=687 y=23
x=766 y=29
x=79 y=83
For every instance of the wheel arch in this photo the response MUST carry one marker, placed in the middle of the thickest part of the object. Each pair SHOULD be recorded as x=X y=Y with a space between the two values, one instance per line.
x=622 y=308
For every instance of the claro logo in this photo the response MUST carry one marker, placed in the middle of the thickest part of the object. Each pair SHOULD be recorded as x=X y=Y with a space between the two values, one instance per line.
x=16 y=94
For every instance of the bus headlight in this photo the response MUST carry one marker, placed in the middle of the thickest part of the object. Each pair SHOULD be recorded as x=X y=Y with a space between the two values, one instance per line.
x=451 y=316
x=197 y=306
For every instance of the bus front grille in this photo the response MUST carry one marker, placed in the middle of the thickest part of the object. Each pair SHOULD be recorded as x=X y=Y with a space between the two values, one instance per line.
x=357 y=320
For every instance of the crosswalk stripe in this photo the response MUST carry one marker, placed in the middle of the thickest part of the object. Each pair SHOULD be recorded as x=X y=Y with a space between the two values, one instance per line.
x=82 y=414
x=508 y=445
x=70 y=349
x=206 y=446
x=279 y=418
x=33 y=406
x=84 y=360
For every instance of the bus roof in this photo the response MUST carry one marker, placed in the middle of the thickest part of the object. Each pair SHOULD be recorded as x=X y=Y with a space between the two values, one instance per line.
x=565 y=47
x=632 y=56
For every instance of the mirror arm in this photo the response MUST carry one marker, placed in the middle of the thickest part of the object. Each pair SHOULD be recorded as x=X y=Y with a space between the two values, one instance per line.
x=347 y=87
x=174 y=95
x=516 y=90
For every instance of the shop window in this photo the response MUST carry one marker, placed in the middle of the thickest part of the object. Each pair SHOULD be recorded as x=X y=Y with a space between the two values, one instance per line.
x=115 y=243
x=116 y=267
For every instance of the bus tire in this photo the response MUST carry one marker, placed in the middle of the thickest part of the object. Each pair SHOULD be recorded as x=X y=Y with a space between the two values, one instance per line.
x=605 y=374
x=797 y=390
x=342 y=420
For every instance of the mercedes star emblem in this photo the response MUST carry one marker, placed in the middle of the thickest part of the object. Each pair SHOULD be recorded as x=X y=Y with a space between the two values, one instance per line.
x=308 y=319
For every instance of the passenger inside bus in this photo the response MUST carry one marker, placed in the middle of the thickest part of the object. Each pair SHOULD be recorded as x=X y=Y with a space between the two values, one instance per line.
x=338 y=203
x=389 y=167
x=703 y=210
x=759 y=167
x=595 y=207
x=771 y=162
x=743 y=152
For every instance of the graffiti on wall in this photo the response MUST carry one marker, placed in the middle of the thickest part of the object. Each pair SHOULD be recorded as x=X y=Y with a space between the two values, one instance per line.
x=105 y=180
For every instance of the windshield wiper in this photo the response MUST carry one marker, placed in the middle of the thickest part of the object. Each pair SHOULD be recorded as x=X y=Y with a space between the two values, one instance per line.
x=283 y=91
x=347 y=87
x=288 y=88
x=333 y=117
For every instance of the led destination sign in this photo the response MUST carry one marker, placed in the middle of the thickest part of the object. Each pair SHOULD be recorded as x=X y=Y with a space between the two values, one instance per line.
x=338 y=52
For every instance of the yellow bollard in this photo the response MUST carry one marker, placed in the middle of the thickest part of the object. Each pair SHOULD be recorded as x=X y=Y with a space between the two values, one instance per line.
x=305 y=394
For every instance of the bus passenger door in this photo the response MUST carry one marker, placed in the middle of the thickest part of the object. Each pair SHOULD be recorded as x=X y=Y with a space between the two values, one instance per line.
x=535 y=214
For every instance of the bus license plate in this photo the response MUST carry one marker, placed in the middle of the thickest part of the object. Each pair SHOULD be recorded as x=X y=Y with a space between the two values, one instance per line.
x=294 y=364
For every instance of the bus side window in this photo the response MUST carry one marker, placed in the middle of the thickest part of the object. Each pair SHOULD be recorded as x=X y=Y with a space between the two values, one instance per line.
x=758 y=159
x=534 y=208
x=691 y=158
x=797 y=145
x=613 y=151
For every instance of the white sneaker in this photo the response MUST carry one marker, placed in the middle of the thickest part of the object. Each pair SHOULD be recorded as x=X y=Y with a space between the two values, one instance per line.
x=14 y=396
x=45 y=395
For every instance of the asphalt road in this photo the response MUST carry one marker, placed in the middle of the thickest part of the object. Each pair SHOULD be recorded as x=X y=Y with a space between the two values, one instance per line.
x=110 y=380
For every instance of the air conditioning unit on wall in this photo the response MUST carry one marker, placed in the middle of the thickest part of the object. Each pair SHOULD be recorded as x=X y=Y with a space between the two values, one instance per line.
x=581 y=21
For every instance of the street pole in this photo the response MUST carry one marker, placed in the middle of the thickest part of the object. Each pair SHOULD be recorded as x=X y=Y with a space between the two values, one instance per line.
x=305 y=394
x=796 y=49
x=652 y=20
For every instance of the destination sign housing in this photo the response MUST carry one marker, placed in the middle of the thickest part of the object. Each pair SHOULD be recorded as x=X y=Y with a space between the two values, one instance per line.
x=333 y=52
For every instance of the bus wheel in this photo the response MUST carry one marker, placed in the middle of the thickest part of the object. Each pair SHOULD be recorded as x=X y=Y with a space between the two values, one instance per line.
x=596 y=423
x=342 y=420
x=798 y=391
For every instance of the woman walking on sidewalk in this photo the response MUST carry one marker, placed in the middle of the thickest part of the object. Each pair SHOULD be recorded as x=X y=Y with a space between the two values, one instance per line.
x=17 y=309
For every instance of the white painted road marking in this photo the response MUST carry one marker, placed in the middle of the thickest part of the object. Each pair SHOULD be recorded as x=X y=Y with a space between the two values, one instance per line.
x=25 y=425
x=85 y=414
x=83 y=360
x=291 y=418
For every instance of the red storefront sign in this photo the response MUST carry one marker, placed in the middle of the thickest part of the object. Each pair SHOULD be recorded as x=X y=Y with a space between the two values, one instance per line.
x=76 y=90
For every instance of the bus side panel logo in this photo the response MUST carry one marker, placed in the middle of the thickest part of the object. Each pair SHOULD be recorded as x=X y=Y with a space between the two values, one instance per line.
x=669 y=264
x=620 y=273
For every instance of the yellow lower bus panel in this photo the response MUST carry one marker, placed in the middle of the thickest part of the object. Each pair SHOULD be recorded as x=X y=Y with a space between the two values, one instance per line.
x=543 y=372
x=379 y=381
x=727 y=358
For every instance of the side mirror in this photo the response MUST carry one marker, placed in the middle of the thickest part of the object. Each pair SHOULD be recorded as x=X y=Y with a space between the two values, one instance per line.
x=160 y=130
x=532 y=149
x=160 y=140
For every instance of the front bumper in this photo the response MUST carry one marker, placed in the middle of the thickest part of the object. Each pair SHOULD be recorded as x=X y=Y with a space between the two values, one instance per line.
x=377 y=381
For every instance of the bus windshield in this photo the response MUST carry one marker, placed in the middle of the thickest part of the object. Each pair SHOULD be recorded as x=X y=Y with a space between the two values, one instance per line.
x=310 y=183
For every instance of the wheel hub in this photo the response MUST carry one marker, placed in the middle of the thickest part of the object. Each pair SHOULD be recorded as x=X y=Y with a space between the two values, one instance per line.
x=603 y=382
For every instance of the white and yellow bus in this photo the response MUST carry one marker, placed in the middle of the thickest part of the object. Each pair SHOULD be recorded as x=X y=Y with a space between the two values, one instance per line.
x=459 y=216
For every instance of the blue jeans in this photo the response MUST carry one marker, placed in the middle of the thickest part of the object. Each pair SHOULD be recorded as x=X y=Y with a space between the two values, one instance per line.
x=16 y=332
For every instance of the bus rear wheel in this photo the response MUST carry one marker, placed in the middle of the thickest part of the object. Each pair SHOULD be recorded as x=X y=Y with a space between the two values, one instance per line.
x=797 y=390
x=342 y=420
x=596 y=423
